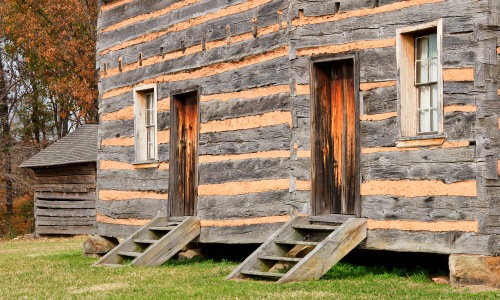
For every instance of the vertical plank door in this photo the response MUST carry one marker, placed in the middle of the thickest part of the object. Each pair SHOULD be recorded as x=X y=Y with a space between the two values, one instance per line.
x=334 y=117
x=183 y=181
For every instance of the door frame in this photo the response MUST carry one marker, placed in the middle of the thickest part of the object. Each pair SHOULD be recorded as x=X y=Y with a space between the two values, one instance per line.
x=174 y=140
x=354 y=56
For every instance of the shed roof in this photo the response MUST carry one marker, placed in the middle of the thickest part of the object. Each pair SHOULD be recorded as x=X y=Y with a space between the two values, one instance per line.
x=79 y=146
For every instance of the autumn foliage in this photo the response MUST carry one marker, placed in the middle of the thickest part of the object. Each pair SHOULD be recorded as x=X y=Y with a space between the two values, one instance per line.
x=57 y=41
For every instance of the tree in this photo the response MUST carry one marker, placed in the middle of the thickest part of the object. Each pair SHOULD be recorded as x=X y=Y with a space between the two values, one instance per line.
x=57 y=40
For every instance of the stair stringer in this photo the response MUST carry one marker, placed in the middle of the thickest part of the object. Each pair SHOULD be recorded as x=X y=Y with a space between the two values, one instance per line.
x=170 y=244
x=330 y=251
x=128 y=244
x=266 y=247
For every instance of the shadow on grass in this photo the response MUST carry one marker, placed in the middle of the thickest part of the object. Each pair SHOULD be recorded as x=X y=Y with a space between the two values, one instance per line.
x=349 y=271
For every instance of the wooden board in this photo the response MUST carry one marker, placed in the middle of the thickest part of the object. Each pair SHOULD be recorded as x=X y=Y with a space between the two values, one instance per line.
x=183 y=176
x=335 y=153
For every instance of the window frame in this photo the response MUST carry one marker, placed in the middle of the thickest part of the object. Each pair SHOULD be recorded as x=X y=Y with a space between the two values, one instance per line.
x=408 y=106
x=141 y=136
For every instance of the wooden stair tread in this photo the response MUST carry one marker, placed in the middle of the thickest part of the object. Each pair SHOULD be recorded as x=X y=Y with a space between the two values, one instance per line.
x=263 y=274
x=131 y=254
x=145 y=241
x=280 y=258
x=315 y=227
x=296 y=243
x=113 y=265
x=166 y=228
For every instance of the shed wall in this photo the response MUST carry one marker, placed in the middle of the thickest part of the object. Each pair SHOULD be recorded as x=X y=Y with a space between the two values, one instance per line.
x=65 y=199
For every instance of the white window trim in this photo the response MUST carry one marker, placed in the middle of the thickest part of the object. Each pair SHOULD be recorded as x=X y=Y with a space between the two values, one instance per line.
x=407 y=92
x=140 y=132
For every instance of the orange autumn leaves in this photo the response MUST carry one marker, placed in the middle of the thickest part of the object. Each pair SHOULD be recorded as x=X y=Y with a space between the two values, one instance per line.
x=57 y=41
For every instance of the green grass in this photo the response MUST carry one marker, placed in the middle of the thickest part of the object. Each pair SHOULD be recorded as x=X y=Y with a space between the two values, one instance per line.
x=55 y=269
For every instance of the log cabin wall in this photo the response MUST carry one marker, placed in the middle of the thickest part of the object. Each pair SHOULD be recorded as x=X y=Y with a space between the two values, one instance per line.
x=65 y=199
x=251 y=60
x=236 y=52
x=427 y=199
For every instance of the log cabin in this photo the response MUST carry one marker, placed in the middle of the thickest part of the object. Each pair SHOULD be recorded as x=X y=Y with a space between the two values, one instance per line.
x=65 y=184
x=247 y=114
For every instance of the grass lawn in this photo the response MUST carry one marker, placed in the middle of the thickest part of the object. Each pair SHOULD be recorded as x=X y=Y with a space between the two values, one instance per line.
x=56 y=269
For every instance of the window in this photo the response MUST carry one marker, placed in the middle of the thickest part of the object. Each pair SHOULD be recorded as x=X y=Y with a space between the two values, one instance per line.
x=420 y=80
x=145 y=123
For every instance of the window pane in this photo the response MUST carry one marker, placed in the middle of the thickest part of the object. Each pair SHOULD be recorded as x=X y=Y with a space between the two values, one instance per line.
x=434 y=120
x=424 y=97
x=434 y=96
x=425 y=120
x=422 y=50
x=149 y=101
x=151 y=142
x=149 y=117
x=151 y=151
x=421 y=72
x=433 y=70
x=151 y=134
x=433 y=51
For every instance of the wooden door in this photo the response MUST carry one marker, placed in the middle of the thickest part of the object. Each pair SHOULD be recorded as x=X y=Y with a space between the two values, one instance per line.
x=334 y=139
x=183 y=181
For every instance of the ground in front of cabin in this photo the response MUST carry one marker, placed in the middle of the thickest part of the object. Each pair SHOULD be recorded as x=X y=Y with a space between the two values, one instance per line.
x=56 y=269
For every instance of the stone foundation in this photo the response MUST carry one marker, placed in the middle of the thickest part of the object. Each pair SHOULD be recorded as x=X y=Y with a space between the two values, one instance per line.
x=474 y=270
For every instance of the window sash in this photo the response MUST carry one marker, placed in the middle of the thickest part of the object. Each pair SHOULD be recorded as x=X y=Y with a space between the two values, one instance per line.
x=150 y=126
x=426 y=77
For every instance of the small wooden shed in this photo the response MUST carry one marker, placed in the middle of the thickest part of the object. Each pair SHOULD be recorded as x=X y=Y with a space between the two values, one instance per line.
x=65 y=189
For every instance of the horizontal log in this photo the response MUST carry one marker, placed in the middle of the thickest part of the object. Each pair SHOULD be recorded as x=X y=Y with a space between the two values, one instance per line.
x=423 y=208
x=131 y=209
x=250 y=169
x=73 y=230
x=116 y=230
x=54 y=196
x=65 y=221
x=75 y=169
x=61 y=179
x=65 y=188
x=429 y=242
x=139 y=180
x=64 y=204
x=101 y=218
x=50 y=212
x=250 y=234
x=246 y=141
x=449 y=165
x=249 y=206
x=380 y=100
x=381 y=133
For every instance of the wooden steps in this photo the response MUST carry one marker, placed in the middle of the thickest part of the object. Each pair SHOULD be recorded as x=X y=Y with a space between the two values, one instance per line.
x=154 y=243
x=303 y=249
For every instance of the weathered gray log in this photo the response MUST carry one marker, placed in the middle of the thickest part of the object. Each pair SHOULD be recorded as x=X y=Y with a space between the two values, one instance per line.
x=65 y=230
x=142 y=208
